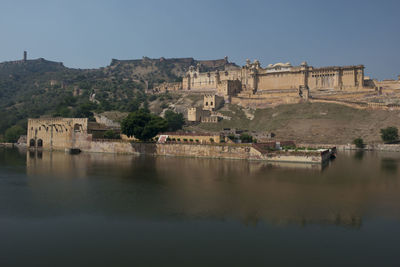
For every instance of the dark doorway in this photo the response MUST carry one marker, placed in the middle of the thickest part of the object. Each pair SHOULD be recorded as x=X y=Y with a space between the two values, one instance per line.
x=32 y=143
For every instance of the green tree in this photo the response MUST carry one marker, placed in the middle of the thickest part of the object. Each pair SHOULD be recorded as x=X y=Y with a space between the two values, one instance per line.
x=390 y=134
x=246 y=138
x=152 y=98
x=231 y=136
x=175 y=120
x=359 y=142
x=133 y=105
x=85 y=110
x=143 y=125
x=110 y=134
x=13 y=133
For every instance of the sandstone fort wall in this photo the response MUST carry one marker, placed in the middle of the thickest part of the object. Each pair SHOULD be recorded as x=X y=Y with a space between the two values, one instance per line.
x=280 y=81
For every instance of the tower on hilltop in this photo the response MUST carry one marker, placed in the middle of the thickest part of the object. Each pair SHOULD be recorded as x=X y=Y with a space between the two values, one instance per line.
x=25 y=55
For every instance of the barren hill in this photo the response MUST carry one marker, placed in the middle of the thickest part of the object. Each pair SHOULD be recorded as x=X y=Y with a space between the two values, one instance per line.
x=310 y=122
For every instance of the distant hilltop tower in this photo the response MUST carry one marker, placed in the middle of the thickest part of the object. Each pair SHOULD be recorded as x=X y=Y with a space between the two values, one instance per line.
x=25 y=55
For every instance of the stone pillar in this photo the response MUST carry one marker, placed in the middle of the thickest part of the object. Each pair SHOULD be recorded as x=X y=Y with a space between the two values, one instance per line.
x=254 y=82
x=336 y=84
x=217 y=78
x=305 y=73
x=360 y=77
x=340 y=81
x=186 y=83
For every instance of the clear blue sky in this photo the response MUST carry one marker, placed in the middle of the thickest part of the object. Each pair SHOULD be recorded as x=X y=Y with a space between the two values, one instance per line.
x=88 y=34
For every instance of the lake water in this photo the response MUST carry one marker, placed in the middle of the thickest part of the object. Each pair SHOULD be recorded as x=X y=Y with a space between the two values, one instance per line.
x=112 y=210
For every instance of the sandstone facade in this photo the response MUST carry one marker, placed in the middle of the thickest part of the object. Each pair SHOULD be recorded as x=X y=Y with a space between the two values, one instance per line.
x=212 y=102
x=388 y=85
x=280 y=76
x=57 y=133
x=196 y=114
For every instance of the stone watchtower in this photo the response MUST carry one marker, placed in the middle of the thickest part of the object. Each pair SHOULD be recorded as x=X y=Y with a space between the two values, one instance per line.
x=25 y=55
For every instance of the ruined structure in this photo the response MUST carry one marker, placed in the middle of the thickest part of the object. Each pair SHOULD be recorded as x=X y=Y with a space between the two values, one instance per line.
x=62 y=133
x=212 y=102
x=197 y=114
x=166 y=87
x=56 y=133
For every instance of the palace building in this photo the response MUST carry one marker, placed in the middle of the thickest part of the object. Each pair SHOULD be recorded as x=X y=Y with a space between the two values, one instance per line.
x=280 y=76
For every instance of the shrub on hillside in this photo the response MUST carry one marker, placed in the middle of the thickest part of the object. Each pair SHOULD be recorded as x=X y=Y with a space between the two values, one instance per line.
x=359 y=142
x=13 y=133
x=175 y=120
x=152 y=98
x=110 y=134
x=246 y=138
x=390 y=134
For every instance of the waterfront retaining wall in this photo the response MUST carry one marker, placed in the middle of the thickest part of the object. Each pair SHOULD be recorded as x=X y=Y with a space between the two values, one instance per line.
x=247 y=152
x=371 y=147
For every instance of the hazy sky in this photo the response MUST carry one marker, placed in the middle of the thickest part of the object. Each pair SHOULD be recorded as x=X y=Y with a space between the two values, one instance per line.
x=88 y=34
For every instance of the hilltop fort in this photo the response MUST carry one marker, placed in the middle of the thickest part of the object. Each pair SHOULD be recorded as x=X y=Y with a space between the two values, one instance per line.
x=212 y=94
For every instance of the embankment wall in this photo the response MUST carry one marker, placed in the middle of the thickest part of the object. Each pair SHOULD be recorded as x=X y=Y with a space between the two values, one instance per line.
x=203 y=151
x=372 y=147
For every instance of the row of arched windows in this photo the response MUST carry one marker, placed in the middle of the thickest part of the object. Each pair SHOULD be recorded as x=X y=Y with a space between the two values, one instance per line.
x=32 y=143
x=77 y=128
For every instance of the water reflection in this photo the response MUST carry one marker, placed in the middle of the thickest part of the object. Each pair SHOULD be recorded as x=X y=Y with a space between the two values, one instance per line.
x=359 y=154
x=390 y=165
x=187 y=188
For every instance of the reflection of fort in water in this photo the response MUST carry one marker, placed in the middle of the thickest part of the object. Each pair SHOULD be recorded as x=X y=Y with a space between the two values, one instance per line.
x=226 y=189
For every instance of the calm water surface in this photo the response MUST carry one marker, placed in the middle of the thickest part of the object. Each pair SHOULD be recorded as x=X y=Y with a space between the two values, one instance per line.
x=108 y=210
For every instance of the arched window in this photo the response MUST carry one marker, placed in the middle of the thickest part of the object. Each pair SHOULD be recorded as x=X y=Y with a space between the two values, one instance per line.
x=77 y=127
x=32 y=143
x=40 y=143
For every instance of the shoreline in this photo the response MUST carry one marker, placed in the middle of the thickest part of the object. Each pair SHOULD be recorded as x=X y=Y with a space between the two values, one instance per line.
x=219 y=151
x=341 y=147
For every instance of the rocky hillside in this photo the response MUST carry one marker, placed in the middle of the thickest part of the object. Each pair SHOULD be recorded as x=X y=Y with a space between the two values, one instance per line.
x=161 y=70
x=40 y=87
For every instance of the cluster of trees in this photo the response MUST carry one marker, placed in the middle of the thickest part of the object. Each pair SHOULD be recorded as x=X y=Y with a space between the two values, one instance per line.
x=244 y=138
x=40 y=87
x=389 y=135
x=144 y=125
x=110 y=134
x=13 y=133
